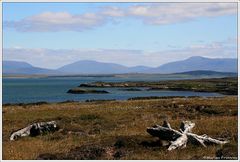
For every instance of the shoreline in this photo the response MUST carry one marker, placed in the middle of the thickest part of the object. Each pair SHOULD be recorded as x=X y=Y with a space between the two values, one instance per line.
x=226 y=85
x=110 y=100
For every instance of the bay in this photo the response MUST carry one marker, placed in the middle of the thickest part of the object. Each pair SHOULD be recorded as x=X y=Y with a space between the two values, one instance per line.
x=53 y=89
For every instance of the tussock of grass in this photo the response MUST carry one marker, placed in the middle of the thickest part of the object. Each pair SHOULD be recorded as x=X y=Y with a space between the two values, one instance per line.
x=117 y=129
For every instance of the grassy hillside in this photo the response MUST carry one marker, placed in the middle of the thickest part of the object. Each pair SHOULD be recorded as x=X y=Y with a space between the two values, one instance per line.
x=117 y=129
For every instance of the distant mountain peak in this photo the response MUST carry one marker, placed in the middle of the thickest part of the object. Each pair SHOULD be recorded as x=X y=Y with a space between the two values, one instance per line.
x=197 y=57
x=85 y=61
x=16 y=63
x=198 y=63
x=20 y=67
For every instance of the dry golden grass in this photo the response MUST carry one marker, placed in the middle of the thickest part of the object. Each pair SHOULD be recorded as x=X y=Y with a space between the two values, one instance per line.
x=101 y=124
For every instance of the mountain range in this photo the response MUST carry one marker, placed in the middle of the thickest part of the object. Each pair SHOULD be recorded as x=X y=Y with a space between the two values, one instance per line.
x=196 y=63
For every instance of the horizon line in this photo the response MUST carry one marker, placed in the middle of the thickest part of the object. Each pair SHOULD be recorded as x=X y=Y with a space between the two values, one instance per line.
x=120 y=63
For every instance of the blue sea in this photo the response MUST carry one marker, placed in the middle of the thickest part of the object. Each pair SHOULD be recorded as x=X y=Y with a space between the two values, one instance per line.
x=54 y=89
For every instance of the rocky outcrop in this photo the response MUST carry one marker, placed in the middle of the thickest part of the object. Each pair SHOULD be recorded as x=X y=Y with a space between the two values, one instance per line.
x=83 y=91
x=107 y=84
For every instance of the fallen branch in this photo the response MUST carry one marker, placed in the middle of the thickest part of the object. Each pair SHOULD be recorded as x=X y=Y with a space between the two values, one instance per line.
x=179 y=139
x=34 y=130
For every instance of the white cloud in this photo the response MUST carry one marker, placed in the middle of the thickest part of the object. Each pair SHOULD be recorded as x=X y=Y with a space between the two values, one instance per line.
x=57 y=21
x=168 y=13
x=113 y=11
x=153 y=13
x=49 y=58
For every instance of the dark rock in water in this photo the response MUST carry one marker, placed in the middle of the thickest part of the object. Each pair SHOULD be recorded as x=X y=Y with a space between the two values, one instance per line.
x=83 y=91
x=156 y=88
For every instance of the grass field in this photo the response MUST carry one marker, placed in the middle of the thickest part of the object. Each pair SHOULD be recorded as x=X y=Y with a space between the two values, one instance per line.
x=117 y=129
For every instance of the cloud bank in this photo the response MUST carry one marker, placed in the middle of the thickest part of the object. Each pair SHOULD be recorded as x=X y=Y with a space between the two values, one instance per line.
x=152 y=14
x=49 y=58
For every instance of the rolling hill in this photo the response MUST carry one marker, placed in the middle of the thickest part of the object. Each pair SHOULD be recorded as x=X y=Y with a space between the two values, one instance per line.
x=23 y=68
x=199 y=64
x=94 y=67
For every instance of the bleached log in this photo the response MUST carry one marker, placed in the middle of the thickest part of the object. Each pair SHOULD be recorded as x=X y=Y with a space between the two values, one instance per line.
x=20 y=133
x=164 y=133
x=34 y=130
x=179 y=139
x=195 y=140
x=186 y=126
x=180 y=142
x=166 y=124
x=208 y=140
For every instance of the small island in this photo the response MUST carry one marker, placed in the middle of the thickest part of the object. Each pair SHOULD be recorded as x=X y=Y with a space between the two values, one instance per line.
x=226 y=86
x=84 y=91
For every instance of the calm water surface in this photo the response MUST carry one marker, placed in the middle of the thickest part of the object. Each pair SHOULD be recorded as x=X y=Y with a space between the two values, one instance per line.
x=53 y=89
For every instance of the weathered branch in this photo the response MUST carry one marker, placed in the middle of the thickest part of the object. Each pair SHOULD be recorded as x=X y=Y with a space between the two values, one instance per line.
x=168 y=134
x=34 y=129
x=179 y=139
x=195 y=140
x=186 y=126
x=180 y=142
x=166 y=124
x=208 y=140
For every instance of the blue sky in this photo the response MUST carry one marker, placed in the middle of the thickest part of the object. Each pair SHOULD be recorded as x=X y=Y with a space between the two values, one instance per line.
x=53 y=34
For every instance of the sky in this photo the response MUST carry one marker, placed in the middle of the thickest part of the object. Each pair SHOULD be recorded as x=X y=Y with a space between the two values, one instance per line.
x=50 y=35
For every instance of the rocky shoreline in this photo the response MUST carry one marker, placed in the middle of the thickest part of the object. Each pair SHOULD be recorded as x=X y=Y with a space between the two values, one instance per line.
x=227 y=86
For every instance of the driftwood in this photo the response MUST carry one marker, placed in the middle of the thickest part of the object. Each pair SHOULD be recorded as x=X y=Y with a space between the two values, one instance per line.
x=34 y=130
x=179 y=139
